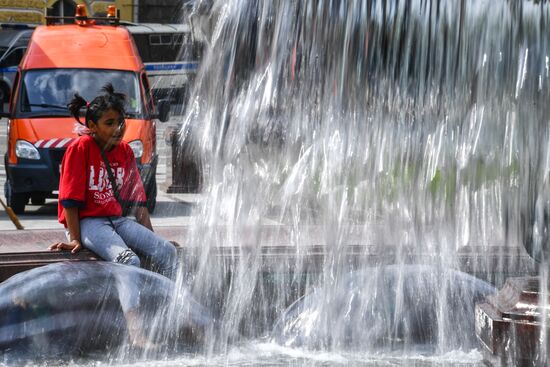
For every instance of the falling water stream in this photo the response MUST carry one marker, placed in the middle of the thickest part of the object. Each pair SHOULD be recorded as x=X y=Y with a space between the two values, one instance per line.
x=413 y=133
x=416 y=128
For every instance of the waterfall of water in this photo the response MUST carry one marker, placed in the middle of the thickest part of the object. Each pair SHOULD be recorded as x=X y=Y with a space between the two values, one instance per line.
x=358 y=154
x=417 y=128
x=412 y=127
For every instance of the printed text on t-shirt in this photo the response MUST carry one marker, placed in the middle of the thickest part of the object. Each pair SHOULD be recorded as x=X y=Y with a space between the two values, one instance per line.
x=100 y=183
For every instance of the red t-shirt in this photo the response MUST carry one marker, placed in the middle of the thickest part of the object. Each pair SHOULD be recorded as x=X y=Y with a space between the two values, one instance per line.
x=85 y=183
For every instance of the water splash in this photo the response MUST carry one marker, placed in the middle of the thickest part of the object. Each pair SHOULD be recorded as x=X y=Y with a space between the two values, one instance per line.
x=355 y=133
x=419 y=128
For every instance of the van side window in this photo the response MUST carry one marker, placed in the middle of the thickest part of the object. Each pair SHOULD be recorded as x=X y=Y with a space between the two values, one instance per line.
x=147 y=90
x=142 y=43
x=178 y=39
x=160 y=39
x=161 y=48
x=13 y=58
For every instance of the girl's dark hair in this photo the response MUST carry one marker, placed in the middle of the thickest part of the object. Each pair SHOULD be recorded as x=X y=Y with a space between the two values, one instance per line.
x=109 y=100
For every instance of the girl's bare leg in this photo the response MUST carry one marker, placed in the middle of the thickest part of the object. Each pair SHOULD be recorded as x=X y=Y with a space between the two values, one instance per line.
x=135 y=331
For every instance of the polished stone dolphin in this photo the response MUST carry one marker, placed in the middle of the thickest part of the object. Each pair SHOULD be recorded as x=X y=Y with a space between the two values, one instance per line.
x=73 y=308
x=387 y=308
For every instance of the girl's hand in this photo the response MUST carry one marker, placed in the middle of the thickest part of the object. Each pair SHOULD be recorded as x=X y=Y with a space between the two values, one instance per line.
x=74 y=246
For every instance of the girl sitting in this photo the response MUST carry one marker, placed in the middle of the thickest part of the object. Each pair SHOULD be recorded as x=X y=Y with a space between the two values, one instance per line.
x=98 y=175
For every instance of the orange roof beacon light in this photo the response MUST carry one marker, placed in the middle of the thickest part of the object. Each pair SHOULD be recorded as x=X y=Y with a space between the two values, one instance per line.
x=111 y=11
x=81 y=11
x=81 y=17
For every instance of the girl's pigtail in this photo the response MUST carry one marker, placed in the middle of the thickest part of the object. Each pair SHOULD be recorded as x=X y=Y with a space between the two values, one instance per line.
x=109 y=89
x=75 y=105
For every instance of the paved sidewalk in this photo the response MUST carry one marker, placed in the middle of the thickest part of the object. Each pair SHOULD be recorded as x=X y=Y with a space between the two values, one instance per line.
x=31 y=240
x=172 y=209
x=171 y=219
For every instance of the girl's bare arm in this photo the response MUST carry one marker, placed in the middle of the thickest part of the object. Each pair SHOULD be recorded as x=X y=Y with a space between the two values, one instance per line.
x=73 y=226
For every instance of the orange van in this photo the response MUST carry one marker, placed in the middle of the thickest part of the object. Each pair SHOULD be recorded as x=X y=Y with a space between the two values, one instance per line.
x=63 y=59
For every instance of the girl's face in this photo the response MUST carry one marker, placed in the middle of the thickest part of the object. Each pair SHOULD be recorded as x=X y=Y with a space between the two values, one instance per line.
x=109 y=129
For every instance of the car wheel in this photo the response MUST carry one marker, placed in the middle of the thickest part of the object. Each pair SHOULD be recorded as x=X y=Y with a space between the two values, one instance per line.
x=18 y=202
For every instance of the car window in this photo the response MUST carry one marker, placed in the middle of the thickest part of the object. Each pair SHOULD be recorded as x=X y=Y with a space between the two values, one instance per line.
x=13 y=57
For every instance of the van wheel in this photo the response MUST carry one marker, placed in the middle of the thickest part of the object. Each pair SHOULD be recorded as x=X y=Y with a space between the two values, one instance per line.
x=16 y=201
x=38 y=200
x=152 y=196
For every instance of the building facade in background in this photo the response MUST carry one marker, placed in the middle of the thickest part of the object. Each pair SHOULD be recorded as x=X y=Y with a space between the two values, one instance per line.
x=161 y=11
x=34 y=11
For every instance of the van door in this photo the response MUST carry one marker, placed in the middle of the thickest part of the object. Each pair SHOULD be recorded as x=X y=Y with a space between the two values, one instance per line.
x=149 y=105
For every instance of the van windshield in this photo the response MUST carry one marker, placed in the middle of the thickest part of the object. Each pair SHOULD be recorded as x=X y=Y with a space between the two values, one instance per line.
x=46 y=92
